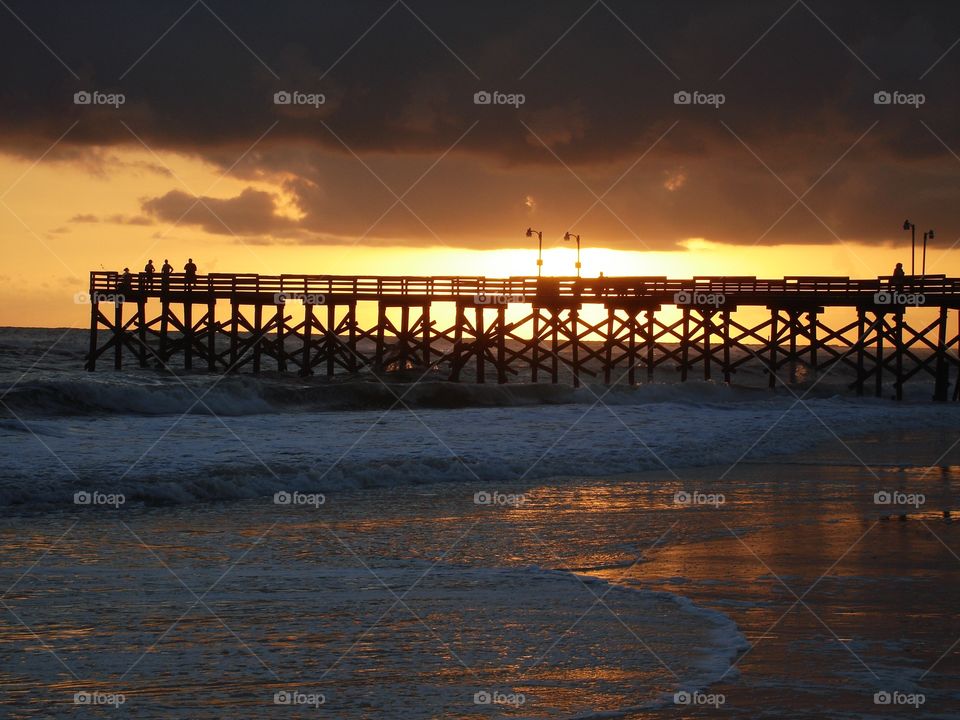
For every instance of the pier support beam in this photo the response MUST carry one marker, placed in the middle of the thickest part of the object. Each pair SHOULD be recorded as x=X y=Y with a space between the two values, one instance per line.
x=942 y=373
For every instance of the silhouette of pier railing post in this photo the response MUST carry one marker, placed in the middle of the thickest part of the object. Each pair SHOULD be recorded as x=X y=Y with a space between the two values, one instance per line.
x=534 y=328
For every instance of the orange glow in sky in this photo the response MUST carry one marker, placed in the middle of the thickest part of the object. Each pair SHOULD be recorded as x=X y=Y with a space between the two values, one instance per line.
x=51 y=244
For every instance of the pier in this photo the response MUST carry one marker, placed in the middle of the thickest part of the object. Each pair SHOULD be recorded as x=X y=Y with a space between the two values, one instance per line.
x=529 y=329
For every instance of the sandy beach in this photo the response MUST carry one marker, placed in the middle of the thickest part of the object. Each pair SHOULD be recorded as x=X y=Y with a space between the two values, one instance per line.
x=839 y=599
x=834 y=598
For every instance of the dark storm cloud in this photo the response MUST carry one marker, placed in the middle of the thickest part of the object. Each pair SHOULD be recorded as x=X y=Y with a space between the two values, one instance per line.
x=599 y=82
x=253 y=212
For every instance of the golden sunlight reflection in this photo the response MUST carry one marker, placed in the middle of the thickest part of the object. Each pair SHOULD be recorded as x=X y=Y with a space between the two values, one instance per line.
x=98 y=222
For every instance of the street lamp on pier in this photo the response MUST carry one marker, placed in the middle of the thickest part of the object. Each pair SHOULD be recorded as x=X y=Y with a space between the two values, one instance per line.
x=907 y=225
x=570 y=236
x=928 y=235
x=539 y=233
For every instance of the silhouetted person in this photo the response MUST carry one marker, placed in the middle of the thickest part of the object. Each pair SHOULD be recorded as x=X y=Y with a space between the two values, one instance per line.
x=898 y=275
x=166 y=270
x=125 y=280
x=148 y=270
x=190 y=271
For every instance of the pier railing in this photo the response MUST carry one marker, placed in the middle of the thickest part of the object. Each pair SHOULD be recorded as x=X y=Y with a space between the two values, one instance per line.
x=224 y=285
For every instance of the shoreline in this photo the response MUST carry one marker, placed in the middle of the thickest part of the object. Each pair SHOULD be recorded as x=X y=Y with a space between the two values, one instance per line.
x=798 y=518
x=838 y=601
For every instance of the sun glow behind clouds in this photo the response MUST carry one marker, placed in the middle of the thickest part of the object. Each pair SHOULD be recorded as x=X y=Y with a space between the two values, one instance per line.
x=48 y=252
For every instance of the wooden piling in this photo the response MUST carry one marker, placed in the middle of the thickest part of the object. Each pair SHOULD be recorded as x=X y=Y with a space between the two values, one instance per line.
x=707 y=324
x=648 y=339
x=898 y=350
x=726 y=346
x=257 y=337
x=306 y=364
x=280 y=323
x=481 y=344
x=942 y=377
x=860 y=346
x=188 y=334
x=118 y=334
x=91 y=363
x=774 y=339
x=164 y=329
x=212 y=335
x=501 y=345
x=142 y=333
x=881 y=329
x=685 y=345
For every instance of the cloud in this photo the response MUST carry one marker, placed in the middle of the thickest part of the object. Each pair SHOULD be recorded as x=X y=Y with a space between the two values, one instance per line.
x=253 y=212
x=799 y=112
x=118 y=219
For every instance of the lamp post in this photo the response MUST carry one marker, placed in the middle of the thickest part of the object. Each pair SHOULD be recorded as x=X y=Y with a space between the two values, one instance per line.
x=927 y=235
x=907 y=225
x=570 y=236
x=539 y=233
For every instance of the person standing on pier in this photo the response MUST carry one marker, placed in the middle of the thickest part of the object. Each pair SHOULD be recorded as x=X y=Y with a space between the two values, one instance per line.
x=125 y=281
x=166 y=270
x=898 y=276
x=190 y=270
x=148 y=270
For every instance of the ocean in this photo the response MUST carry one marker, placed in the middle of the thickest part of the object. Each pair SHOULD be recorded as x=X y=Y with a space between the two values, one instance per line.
x=194 y=545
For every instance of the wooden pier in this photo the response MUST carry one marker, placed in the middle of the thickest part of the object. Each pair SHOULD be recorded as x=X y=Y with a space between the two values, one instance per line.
x=527 y=329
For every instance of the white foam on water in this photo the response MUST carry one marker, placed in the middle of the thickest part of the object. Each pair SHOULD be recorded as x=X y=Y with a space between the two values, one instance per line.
x=187 y=458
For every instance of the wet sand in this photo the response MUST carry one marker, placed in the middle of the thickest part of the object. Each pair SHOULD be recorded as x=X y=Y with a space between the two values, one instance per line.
x=839 y=598
x=877 y=609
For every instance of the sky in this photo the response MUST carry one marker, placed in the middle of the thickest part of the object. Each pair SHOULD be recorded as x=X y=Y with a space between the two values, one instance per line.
x=761 y=138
